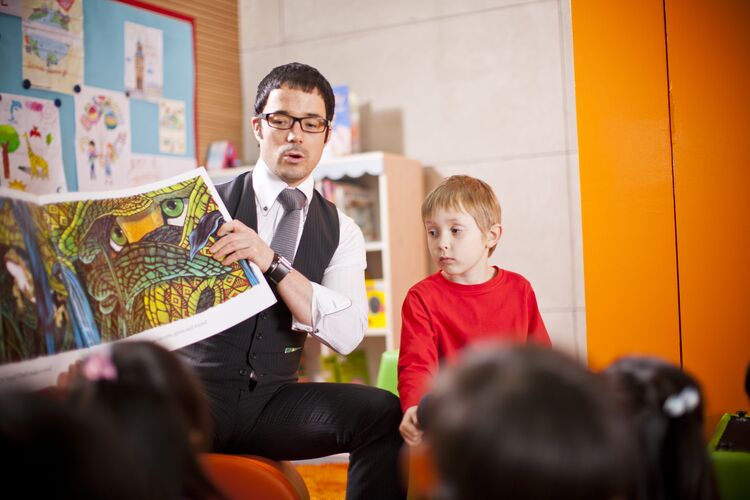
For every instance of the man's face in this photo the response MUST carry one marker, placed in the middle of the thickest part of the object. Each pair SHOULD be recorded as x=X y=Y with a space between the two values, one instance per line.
x=291 y=154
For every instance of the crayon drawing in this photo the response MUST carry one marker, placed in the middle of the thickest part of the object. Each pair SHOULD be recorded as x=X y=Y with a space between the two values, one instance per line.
x=102 y=139
x=31 y=145
x=53 y=44
x=144 y=77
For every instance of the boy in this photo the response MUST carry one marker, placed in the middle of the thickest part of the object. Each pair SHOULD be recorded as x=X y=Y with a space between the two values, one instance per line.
x=466 y=300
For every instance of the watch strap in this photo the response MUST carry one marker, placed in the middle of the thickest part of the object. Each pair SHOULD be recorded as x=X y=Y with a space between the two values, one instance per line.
x=278 y=269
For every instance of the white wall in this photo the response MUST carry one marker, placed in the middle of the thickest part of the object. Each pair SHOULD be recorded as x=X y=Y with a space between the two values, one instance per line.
x=478 y=87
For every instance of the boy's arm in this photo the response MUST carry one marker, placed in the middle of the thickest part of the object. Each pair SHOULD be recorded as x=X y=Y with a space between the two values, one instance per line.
x=537 y=331
x=418 y=355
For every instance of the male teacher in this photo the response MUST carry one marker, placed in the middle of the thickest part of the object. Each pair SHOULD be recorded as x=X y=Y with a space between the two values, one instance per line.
x=313 y=256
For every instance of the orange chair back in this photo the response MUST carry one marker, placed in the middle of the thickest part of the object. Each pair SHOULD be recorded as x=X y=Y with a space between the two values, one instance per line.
x=246 y=477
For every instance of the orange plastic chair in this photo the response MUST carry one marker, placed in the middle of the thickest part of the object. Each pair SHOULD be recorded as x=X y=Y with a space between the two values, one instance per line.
x=246 y=477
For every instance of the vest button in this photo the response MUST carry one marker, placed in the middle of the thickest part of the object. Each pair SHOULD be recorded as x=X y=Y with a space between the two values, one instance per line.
x=259 y=336
x=263 y=315
x=243 y=372
x=262 y=374
x=253 y=356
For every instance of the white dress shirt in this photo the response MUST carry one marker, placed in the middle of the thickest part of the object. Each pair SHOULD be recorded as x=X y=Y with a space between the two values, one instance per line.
x=339 y=303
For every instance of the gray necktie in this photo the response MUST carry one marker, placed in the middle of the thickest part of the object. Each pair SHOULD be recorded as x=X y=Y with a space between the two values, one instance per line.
x=285 y=238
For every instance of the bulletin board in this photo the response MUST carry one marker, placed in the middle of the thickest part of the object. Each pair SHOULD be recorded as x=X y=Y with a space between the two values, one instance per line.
x=104 y=43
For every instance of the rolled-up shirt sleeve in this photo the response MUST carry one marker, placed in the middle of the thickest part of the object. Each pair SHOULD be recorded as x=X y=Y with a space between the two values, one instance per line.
x=339 y=302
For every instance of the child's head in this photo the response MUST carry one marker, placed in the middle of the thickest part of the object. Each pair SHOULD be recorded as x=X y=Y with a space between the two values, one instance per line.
x=158 y=408
x=527 y=422
x=461 y=193
x=51 y=451
x=666 y=406
x=462 y=220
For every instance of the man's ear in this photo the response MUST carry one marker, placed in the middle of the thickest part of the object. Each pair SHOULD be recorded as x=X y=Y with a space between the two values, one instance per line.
x=328 y=133
x=255 y=121
x=493 y=235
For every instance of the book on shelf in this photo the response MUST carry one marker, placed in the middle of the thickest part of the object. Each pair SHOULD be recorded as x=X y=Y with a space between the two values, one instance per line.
x=345 y=134
x=221 y=154
x=356 y=201
x=375 y=303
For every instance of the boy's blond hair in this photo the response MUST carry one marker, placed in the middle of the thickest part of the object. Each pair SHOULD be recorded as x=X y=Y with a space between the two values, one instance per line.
x=463 y=193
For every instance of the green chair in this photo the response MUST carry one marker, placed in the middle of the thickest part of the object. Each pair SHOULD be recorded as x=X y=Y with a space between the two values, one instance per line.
x=731 y=458
x=388 y=371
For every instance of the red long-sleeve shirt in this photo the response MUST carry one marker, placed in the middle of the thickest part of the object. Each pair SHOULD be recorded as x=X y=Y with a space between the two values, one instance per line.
x=440 y=317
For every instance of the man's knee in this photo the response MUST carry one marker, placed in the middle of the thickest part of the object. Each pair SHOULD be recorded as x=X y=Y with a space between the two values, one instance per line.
x=384 y=407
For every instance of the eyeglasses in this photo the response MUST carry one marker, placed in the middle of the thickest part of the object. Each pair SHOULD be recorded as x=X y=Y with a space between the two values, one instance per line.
x=283 y=121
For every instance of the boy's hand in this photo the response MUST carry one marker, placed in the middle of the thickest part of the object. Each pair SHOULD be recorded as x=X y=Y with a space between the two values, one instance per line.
x=409 y=427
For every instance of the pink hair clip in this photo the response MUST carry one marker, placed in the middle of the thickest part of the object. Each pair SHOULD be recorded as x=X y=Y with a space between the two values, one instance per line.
x=99 y=366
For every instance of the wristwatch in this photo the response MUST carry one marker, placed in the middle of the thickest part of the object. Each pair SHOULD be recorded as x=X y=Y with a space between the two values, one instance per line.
x=278 y=269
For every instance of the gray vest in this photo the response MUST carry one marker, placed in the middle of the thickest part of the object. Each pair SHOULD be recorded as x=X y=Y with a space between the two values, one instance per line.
x=264 y=345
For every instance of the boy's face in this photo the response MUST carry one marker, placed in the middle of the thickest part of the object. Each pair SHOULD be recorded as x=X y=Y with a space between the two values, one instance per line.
x=459 y=248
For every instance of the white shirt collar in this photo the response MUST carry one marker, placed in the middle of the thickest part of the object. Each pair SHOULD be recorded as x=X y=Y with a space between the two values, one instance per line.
x=268 y=185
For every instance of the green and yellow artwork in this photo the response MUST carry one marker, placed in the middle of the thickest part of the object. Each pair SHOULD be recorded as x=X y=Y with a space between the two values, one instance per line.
x=76 y=274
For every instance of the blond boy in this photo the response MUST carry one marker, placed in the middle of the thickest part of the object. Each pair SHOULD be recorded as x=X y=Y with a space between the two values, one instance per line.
x=466 y=300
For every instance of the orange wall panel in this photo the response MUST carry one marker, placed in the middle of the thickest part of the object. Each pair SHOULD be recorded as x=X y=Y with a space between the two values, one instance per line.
x=709 y=71
x=626 y=179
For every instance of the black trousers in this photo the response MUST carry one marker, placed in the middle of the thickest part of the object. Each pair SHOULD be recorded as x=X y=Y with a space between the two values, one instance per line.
x=310 y=420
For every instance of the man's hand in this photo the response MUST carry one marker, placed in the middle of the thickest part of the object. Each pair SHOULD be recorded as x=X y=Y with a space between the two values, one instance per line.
x=237 y=241
x=409 y=427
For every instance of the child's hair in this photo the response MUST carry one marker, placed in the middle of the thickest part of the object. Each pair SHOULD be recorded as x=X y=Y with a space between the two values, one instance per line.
x=51 y=451
x=465 y=194
x=527 y=422
x=157 y=408
x=666 y=406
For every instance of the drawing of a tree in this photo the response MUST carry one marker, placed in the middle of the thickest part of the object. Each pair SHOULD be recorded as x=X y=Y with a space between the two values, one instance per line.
x=9 y=141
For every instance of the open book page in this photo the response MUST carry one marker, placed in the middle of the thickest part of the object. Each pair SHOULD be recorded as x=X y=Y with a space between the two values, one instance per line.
x=80 y=270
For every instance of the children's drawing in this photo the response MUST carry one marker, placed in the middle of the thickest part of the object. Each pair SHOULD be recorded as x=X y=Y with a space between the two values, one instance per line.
x=143 y=61
x=31 y=145
x=172 y=126
x=79 y=271
x=53 y=44
x=102 y=139
x=145 y=169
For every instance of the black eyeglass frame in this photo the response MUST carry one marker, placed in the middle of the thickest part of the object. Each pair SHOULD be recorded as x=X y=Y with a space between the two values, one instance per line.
x=265 y=116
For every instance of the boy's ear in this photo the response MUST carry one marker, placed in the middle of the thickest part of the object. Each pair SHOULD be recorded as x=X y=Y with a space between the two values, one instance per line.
x=493 y=235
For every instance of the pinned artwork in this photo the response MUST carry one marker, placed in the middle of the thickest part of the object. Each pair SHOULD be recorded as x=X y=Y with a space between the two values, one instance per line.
x=79 y=270
x=31 y=145
x=144 y=77
x=102 y=139
x=53 y=44
x=172 y=133
x=145 y=169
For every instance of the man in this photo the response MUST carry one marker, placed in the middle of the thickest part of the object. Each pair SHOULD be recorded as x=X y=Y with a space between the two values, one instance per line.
x=250 y=370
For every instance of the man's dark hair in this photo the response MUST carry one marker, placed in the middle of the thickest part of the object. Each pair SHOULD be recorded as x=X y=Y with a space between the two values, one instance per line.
x=296 y=76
